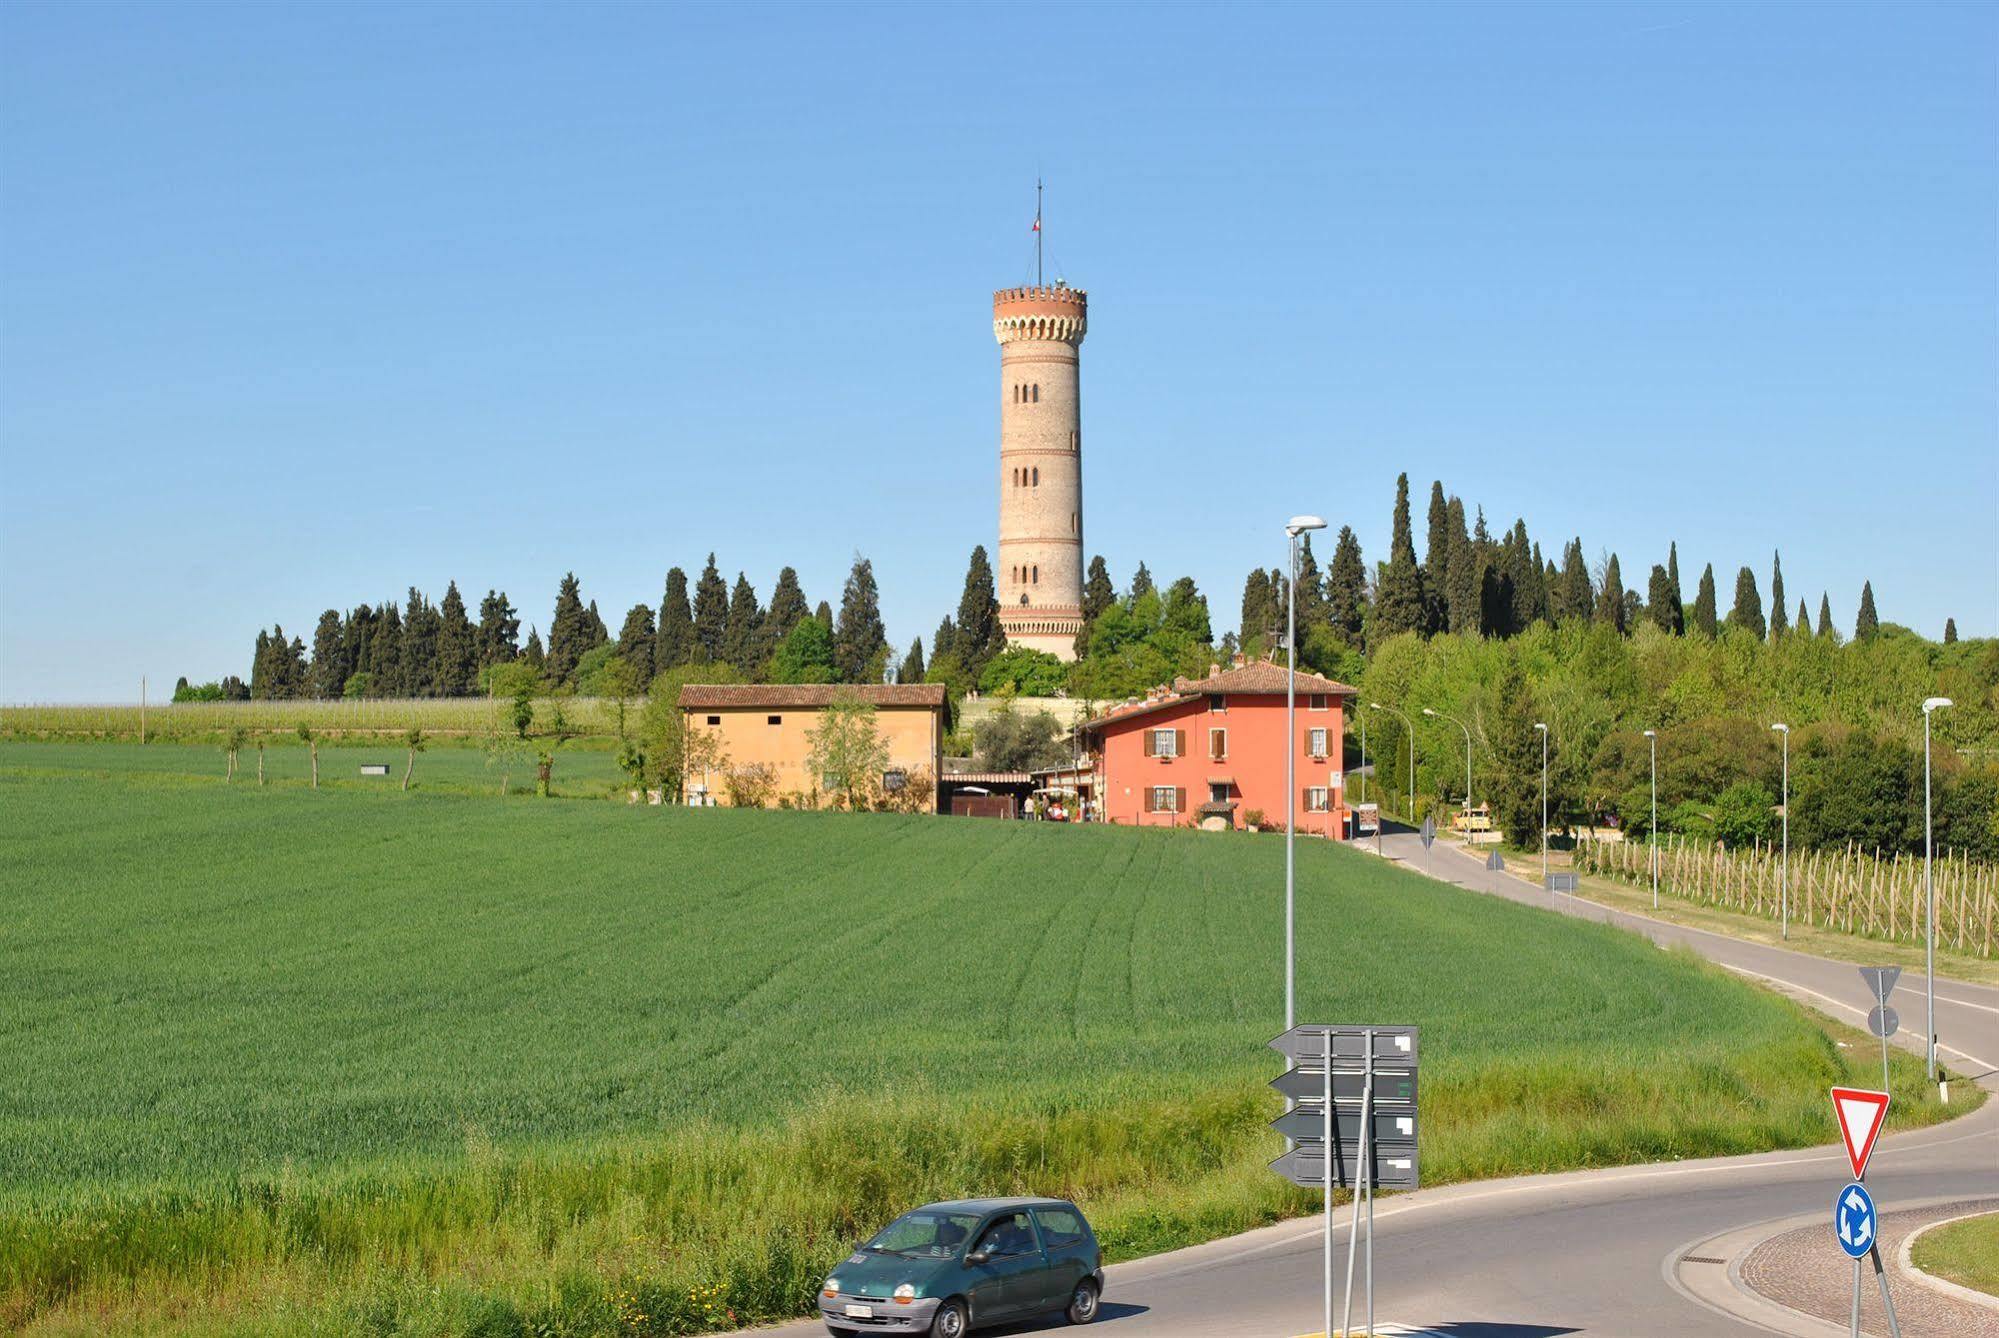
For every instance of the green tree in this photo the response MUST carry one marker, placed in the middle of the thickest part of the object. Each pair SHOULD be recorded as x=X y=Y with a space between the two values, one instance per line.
x=329 y=656
x=532 y=656
x=1311 y=589
x=568 y=632
x=673 y=634
x=637 y=641
x=1098 y=595
x=860 y=644
x=1464 y=578
x=787 y=607
x=1704 y=604
x=946 y=640
x=1950 y=631
x=742 y=635
x=1515 y=745
x=1659 y=605
x=1673 y=578
x=1262 y=615
x=618 y=682
x=307 y=737
x=1610 y=598
x=1804 y=622
x=1346 y=587
x=1012 y=740
x=1436 y=558
x=711 y=615
x=421 y=627
x=805 y=655
x=1026 y=672
x=1577 y=599
x=1748 y=610
x=846 y=749
x=979 y=635
x=414 y=741
x=1825 y=615
x=1399 y=602
x=1141 y=583
x=1779 y=618
x=911 y=668
x=499 y=629
x=457 y=646
x=1866 y=624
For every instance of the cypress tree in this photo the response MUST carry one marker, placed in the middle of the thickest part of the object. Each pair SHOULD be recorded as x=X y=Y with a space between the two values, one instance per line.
x=1748 y=610
x=711 y=613
x=1346 y=587
x=1399 y=605
x=389 y=680
x=1141 y=582
x=1704 y=604
x=568 y=631
x=673 y=640
x=1311 y=589
x=1825 y=614
x=911 y=668
x=360 y=638
x=1098 y=592
x=742 y=634
x=260 y=664
x=595 y=633
x=1804 y=622
x=787 y=607
x=1521 y=571
x=1866 y=624
x=1543 y=574
x=1659 y=599
x=638 y=641
x=1436 y=558
x=1258 y=619
x=979 y=635
x=946 y=640
x=499 y=629
x=824 y=613
x=420 y=631
x=457 y=646
x=1578 y=596
x=1610 y=599
x=1779 y=623
x=1950 y=631
x=1679 y=627
x=531 y=654
x=329 y=656
x=859 y=639
x=1461 y=576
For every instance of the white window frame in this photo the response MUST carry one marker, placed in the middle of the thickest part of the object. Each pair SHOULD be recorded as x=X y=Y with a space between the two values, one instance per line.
x=1318 y=799
x=1170 y=802
x=1318 y=742
x=1316 y=702
x=1164 y=743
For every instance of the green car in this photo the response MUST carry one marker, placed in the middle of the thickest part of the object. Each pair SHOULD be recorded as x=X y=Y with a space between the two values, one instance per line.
x=947 y=1267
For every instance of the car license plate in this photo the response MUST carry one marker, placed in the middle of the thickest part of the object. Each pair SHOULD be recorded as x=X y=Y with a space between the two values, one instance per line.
x=860 y=1312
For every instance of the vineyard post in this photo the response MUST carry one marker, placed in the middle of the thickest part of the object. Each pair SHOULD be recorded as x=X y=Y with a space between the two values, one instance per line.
x=1652 y=736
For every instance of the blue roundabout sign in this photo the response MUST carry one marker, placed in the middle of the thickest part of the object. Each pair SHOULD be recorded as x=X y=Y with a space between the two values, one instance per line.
x=1853 y=1220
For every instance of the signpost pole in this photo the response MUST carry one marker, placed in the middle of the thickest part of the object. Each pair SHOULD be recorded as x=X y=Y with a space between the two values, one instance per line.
x=1856 y=1286
x=1366 y=1152
x=1332 y=1150
x=1883 y=1001
x=1367 y=1172
x=1881 y=1276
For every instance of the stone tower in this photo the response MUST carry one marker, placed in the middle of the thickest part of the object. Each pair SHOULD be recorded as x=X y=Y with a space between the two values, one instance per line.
x=1039 y=573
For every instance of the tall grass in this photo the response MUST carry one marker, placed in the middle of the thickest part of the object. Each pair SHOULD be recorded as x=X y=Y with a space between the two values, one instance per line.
x=349 y=717
x=353 y=1061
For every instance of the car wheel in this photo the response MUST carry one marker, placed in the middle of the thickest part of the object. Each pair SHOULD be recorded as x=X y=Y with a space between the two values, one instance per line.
x=951 y=1321
x=1083 y=1303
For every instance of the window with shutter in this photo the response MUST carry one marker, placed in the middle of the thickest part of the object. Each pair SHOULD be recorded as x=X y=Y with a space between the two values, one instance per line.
x=1315 y=799
x=1165 y=743
x=1218 y=744
x=1316 y=742
x=1179 y=743
x=1179 y=799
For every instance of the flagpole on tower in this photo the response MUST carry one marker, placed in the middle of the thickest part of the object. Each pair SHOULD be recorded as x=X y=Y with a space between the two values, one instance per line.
x=1037 y=232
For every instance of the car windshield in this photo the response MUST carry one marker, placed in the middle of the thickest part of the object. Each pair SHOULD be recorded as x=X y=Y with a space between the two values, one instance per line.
x=925 y=1234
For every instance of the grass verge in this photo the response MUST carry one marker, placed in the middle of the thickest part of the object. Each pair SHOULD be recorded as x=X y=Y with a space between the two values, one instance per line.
x=1966 y=1253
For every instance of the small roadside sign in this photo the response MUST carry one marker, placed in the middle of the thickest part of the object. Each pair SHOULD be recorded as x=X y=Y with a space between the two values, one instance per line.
x=1392 y=1087
x=1561 y=882
x=1305 y=1045
x=1880 y=981
x=374 y=768
x=1429 y=832
x=1861 y=1114
x=1853 y=1222
x=1495 y=861
x=1307 y=1124
x=1307 y=1165
x=1883 y=1021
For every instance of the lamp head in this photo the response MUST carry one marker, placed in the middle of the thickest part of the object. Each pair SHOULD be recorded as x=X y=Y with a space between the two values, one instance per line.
x=1651 y=733
x=1375 y=706
x=1934 y=702
x=1538 y=725
x=1428 y=711
x=1781 y=729
x=1299 y=524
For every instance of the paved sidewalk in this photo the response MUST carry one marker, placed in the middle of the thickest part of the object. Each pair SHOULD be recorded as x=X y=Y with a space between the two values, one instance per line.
x=1801 y=1270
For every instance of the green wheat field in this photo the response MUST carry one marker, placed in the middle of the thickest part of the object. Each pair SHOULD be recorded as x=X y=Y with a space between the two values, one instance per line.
x=358 y=1061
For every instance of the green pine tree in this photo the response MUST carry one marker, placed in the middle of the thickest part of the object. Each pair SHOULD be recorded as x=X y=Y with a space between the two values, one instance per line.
x=457 y=647
x=1522 y=575
x=742 y=635
x=1950 y=631
x=1679 y=599
x=1141 y=583
x=1578 y=596
x=673 y=640
x=1260 y=621
x=911 y=668
x=946 y=641
x=1748 y=610
x=1399 y=603
x=1804 y=622
x=638 y=641
x=979 y=635
x=499 y=629
x=1659 y=599
x=1704 y=604
x=568 y=631
x=1311 y=590
x=388 y=679
x=420 y=629
x=1463 y=582
x=1346 y=587
x=1779 y=623
x=531 y=654
x=787 y=607
x=329 y=656
x=711 y=614
x=1866 y=624
x=1825 y=614
x=1098 y=594
x=860 y=644
x=1610 y=606
x=1436 y=559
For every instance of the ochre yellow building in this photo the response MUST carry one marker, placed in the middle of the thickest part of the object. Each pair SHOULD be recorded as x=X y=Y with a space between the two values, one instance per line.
x=763 y=731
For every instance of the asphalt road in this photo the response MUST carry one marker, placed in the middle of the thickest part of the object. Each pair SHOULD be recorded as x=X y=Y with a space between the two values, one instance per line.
x=1592 y=1252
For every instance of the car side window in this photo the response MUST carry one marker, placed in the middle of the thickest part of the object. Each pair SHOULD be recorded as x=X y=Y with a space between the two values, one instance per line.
x=1006 y=1236
x=1059 y=1226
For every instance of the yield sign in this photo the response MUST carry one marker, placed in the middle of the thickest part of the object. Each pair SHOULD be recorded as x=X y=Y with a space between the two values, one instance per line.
x=1861 y=1114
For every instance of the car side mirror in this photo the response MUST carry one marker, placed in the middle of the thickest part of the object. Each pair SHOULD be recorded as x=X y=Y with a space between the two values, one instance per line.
x=978 y=1256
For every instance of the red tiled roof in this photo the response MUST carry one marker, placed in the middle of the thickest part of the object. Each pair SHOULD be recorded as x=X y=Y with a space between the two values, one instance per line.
x=776 y=695
x=1259 y=679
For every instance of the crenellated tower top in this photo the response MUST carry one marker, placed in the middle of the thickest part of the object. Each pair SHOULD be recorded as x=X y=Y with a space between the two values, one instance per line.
x=1058 y=313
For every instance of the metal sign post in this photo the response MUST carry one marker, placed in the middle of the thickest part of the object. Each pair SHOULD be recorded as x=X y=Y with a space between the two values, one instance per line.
x=1856 y=1226
x=1882 y=1020
x=1353 y=1126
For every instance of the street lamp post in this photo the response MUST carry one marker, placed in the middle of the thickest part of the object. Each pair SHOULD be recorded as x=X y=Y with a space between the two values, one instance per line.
x=1363 y=757
x=1930 y=893
x=1784 y=874
x=1542 y=729
x=1410 y=726
x=1297 y=526
x=1652 y=736
x=1461 y=725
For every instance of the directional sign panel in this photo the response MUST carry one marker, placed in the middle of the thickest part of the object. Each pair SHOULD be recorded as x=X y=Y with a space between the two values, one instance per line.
x=1861 y=1114
x=1307 y=1164
x=1880 y=981
x=1305 y=1046
x=1853 y=1221
x=1429 y=832
x=1883 y=1021
x=1392 y=1087
x=1305 y=1125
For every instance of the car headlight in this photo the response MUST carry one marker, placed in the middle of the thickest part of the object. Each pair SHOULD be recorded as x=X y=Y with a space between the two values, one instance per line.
x=905 y=1293
x=832 y=1287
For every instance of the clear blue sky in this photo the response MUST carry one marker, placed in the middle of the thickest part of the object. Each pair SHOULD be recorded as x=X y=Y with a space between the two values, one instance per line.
x=300 y=305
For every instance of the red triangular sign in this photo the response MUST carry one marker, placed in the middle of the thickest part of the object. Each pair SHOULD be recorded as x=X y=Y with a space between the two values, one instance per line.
x=1861 y=1114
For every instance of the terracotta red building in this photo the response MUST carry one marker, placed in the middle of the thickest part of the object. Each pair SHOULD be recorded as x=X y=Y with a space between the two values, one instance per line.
x=1213 y=748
